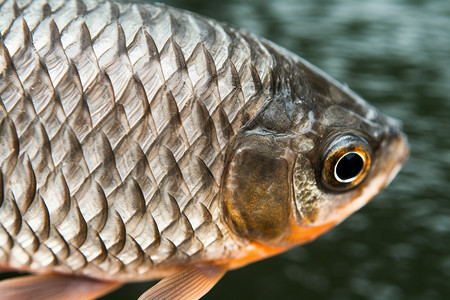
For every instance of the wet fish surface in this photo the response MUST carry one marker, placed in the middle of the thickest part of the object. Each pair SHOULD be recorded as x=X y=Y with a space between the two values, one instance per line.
x=141 y=141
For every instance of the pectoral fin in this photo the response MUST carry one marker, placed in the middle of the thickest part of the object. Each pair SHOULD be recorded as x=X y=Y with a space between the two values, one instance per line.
x=53 y=287
x=190 y=284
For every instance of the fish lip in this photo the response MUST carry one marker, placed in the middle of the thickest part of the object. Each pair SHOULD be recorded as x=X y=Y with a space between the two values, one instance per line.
x=406 y=148
x=397 y=151
x=397 y=136
x=395 y=140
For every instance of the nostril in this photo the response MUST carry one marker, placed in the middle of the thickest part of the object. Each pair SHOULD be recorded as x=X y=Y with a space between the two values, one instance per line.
x=395 y=126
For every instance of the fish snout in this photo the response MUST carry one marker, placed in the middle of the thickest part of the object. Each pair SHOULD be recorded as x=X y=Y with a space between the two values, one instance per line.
x=396 y=152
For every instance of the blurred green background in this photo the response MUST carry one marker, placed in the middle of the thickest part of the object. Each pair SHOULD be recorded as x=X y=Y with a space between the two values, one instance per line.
x=396 y=54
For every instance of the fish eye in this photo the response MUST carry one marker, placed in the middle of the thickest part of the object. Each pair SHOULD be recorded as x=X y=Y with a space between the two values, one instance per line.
x=345 y=163
x=348 y=167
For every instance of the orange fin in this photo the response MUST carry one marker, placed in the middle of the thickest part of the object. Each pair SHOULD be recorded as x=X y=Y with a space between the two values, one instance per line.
x=190 y=284
x=54 y=286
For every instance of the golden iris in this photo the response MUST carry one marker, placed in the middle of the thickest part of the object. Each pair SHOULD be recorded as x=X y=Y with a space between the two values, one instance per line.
x=345 y=162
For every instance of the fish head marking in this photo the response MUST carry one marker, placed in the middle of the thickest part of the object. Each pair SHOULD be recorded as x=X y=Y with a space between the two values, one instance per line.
x=307 y=162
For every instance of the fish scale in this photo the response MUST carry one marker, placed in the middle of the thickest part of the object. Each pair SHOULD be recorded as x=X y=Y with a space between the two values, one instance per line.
x=120 y=125
x=140 y=141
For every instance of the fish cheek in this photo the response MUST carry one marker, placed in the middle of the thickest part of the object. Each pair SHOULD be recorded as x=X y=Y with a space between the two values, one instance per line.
x=306 y=193
x=255 y=195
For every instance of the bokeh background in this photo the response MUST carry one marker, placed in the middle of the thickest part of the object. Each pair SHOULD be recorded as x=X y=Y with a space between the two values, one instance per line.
x=396 y=54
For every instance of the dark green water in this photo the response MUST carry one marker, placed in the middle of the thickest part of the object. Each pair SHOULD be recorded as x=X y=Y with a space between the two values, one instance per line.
x=396 y=54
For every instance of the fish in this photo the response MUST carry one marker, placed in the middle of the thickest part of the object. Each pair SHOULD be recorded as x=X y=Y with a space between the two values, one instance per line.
x=143 y=142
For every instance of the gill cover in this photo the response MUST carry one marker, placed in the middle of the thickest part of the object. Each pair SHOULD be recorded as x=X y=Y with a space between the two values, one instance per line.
x=255 y=189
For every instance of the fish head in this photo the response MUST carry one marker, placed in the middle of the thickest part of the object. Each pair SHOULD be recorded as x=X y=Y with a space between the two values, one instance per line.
x=356 y=152
x=313 y=156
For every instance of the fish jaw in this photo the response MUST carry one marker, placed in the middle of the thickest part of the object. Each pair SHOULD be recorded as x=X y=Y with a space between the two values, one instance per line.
x=396 y=154
x=335 y=207
x=298 y=235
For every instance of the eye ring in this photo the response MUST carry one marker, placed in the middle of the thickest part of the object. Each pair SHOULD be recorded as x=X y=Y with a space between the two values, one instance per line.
x=346 y=162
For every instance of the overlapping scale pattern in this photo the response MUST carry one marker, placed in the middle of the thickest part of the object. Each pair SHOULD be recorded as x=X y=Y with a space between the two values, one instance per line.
x=114 y=123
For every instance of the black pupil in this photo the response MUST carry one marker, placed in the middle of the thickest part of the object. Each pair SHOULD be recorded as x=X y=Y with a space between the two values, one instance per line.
x=349 y=166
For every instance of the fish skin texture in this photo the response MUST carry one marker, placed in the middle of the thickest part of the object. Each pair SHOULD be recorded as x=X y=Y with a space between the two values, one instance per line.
x=115 y=120
x=139 y=141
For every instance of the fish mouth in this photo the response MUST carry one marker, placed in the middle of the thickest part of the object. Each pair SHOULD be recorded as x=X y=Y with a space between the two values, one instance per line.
x=393 y=156
x=395 y=151
x=398 y=150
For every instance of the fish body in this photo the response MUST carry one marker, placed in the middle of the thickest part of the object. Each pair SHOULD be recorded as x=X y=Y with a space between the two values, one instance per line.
x=140 y=141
